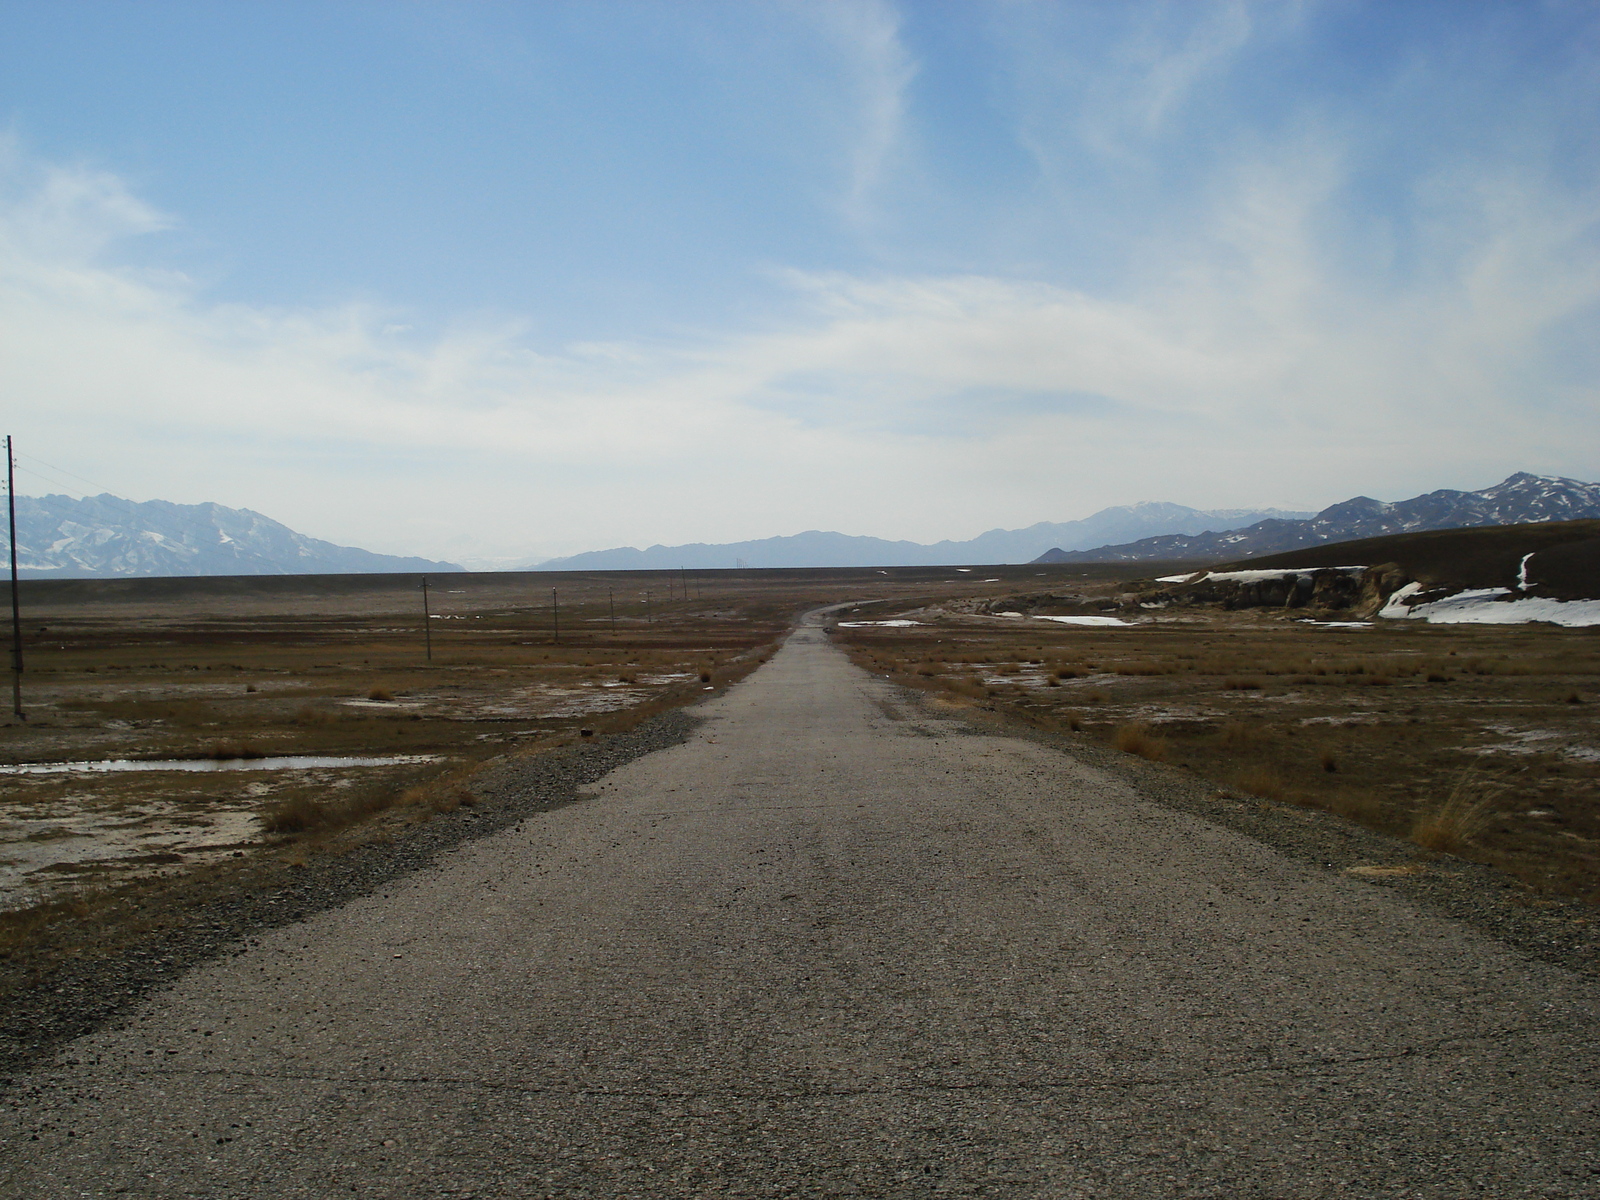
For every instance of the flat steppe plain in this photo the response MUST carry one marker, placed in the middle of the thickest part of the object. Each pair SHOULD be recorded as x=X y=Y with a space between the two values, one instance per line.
x=842 y=940
x=838 y=943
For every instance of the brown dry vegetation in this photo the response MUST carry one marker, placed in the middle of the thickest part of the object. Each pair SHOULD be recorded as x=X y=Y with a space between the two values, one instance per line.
x=168 y=672
x=246 y=667
x=1476 y=740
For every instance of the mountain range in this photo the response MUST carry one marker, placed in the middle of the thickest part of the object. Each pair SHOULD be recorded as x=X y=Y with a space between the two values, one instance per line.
x=59 y=537
x=100 y=536
x=1521 y=499
x=816 y=548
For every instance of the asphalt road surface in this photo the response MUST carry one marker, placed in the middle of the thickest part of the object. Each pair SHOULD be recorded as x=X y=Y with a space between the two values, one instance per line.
x=836 y=945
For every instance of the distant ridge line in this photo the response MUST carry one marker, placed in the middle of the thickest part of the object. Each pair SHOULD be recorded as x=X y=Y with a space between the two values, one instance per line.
x=1521 y=499
x=820 y=548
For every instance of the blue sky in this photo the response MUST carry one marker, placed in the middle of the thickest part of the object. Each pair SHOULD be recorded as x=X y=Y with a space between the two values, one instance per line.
x=495 y=281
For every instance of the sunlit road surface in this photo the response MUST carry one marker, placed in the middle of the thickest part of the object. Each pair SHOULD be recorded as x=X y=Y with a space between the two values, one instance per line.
x=834 y=945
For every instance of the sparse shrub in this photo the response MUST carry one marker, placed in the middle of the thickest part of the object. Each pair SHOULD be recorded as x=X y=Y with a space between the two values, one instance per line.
x=379 y=693
x=1096 y=698
x=1052 y=682
x=1073 y=721
x=705 y=676
x=1435 y=677
x=1135 y=737
x=1242 y=685
x=298 y=814
x=1574 y=698
x=1236 y=735
x=250 y=687
x=1263 y=781
x=1327 y=761
x=222 y=751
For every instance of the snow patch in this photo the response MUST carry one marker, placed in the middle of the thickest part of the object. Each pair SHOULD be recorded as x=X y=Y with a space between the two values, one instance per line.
x=1257 y=576
x=1071 y=620
x=1486 y=606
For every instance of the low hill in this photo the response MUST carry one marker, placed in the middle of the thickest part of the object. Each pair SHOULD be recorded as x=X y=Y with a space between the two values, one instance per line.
x=818 y=548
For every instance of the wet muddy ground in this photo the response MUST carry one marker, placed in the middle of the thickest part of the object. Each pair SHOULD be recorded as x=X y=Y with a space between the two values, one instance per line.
x=246 y=684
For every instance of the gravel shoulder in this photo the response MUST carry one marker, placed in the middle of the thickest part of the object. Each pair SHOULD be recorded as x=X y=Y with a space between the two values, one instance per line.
x=1553 y=929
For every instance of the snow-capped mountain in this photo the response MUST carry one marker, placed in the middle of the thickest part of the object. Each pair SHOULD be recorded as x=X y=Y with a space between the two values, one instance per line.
x=1520 y=500
x=816 y=548
x=59 y=537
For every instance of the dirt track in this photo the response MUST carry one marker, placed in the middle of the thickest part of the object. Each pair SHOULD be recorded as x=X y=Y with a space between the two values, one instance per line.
x=829 y=946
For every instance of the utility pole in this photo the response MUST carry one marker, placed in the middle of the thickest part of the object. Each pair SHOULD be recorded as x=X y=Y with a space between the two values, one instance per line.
x=16 y=607
x=555 y=614
x=427 y=619
x=611 y=602
x=683 y=577
x=648 y=619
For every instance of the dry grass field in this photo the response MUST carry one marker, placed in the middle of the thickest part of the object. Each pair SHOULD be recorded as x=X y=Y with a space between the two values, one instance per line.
x=239 y=677
x=1481 y=741
x=219 y=679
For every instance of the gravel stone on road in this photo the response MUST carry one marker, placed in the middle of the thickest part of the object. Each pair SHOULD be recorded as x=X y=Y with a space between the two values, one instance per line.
x=833 y=944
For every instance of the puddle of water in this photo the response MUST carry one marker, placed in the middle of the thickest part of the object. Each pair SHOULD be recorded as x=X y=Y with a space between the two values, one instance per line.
x=291 y=762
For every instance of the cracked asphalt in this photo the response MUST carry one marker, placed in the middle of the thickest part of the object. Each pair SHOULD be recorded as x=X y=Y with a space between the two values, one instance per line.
x=835 y=944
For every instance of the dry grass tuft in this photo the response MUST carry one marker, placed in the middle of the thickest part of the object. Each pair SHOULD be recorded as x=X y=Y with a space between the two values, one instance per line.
x=298 y=814
x=1236 y=736
x=1263 y=781
x=1466 y=812
x=1359 y=806
x=379 y=693
x=450 y=799
x=1136 y=738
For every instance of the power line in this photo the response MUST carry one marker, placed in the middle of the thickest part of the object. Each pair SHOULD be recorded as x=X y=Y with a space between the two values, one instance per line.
x=60 y=470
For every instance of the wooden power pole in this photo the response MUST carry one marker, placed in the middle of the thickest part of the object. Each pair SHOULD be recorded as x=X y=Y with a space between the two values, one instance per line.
x=427 y=620
x=16 y=604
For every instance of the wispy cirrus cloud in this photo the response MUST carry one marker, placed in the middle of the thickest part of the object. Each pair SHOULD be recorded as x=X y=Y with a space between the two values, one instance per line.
x=877 y=69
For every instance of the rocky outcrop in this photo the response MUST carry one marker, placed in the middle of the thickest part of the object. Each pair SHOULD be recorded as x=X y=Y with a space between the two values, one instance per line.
x=1356 y=591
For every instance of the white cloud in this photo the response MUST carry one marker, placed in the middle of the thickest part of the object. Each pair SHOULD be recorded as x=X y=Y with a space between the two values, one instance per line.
x=1256 y=361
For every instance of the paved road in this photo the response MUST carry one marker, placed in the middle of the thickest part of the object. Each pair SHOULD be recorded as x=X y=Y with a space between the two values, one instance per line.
x=833 y=946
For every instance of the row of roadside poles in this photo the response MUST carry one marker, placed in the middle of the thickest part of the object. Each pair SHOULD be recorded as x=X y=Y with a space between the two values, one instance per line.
x=555 y=608
x=427 y=613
